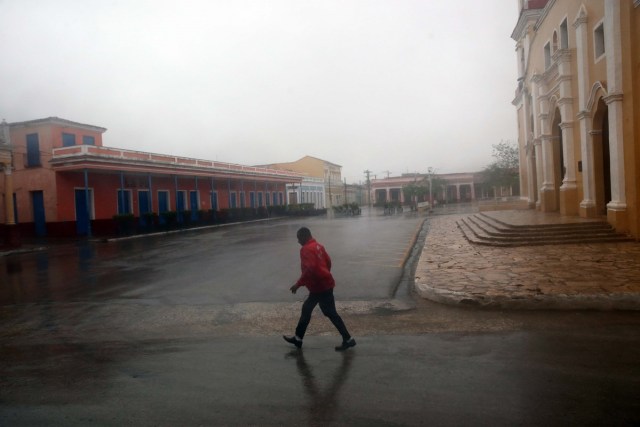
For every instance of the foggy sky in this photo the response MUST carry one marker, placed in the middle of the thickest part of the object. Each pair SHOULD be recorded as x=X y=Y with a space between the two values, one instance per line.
x=390 y=86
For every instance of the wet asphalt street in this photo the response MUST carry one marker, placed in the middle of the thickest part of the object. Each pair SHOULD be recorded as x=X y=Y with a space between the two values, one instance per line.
x=185 y=330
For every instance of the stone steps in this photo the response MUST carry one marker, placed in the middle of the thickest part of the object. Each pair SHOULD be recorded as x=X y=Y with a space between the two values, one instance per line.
x=482 y=229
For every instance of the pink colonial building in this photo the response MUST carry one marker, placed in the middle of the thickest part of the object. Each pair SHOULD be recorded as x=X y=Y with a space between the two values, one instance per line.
x=62 y=181
x=447 y=188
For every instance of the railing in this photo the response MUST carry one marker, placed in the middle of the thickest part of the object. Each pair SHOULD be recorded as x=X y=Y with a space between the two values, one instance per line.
x=131 y=155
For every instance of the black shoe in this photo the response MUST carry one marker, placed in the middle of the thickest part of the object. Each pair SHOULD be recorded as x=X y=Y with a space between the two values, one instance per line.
x=346 y=344
x=293 y=340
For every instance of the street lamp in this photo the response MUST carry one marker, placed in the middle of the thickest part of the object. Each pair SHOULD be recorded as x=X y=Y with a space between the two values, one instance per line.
x=430 y=172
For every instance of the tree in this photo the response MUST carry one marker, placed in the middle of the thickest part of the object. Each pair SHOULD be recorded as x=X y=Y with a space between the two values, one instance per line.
x=421 y=190
x=504 y=171
x=415 y=190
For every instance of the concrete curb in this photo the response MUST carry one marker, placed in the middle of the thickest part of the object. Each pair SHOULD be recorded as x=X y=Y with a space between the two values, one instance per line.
x=601 y=302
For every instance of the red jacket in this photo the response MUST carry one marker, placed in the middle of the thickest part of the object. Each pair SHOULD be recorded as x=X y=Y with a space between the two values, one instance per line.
x=315 y=264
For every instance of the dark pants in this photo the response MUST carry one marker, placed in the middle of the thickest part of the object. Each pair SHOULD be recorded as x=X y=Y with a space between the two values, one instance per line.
x=328 y=307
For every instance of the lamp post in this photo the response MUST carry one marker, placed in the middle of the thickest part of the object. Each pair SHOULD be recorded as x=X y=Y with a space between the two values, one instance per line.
x=430 y=172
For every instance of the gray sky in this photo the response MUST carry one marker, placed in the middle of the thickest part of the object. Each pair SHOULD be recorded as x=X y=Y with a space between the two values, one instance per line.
x=393 y=85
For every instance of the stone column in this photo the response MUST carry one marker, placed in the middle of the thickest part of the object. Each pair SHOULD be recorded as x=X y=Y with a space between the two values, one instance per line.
x=548 y=190
x=537 y=146
x=569 y=187
x=536 y=131
x=588 y=203
x=532 y=185
x=527 y=132
x=617 y=207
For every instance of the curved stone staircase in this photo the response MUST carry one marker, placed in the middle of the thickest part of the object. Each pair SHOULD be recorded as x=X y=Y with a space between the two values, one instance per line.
x=484 y=229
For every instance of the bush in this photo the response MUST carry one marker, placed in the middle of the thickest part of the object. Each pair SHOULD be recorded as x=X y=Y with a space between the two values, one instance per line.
x=125 y=223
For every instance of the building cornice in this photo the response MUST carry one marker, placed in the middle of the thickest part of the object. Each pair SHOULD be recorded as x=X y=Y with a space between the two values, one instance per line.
x=58 y=122
x=527 y=16
x=108 y=158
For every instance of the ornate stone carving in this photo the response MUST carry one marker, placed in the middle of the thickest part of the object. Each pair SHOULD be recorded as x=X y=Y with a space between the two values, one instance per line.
x=581 y=18
x=613 y=97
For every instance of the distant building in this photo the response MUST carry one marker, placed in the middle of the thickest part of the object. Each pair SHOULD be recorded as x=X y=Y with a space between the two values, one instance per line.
x=578 y=108
x=310 y=190
x=6 y=162
x=330 y=173
x=65 y=182
x=448 y=188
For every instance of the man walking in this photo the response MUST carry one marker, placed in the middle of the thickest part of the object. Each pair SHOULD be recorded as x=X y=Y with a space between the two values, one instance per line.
x=316 y=276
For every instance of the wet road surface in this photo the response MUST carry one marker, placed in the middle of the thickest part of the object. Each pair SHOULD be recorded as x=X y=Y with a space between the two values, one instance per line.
x=444 y=379
x=243 y=263
x=178 y=331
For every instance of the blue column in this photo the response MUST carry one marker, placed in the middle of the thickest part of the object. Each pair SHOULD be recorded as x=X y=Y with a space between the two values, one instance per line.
x=150 y=195
x=121 y=210
x=88 y=202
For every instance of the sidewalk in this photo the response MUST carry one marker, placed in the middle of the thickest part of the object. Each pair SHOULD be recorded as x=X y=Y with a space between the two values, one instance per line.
x=601 y=276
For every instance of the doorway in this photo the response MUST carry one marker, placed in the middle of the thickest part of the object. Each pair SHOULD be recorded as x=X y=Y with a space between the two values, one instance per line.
x=602 y=157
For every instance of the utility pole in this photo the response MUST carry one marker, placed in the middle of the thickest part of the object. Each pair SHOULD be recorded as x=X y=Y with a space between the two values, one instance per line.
x=330 y=199
x=430 y=171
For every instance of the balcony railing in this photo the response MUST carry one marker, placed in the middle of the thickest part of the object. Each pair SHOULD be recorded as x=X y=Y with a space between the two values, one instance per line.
x=127 y=156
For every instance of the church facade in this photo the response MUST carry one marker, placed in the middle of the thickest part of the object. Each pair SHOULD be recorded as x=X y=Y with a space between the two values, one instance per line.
x=578 y=108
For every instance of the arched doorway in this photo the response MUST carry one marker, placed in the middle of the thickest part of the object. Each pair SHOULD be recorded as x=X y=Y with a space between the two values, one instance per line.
x=602 y=158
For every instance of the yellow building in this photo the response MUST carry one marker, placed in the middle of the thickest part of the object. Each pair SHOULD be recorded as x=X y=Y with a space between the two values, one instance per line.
x=578 y=105
x=331 y=173
x=11 y=237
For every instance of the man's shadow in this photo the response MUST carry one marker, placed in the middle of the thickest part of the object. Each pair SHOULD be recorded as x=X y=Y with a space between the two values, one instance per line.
x=323 y=403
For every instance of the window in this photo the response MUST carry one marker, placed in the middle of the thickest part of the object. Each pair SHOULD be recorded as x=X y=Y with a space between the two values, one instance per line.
x=144 y=201
x=598 y=40
x=124 y=202
x=252 y=199
x=181 y=200
x=259 y=198
x=214 y=200
x=163 y=201
x=267 y=198
x=564 y=35
x=242 y=199
x=33 y=150
x=68 y=140
x=88 y=140
x=234 y=203
x=547 y=56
